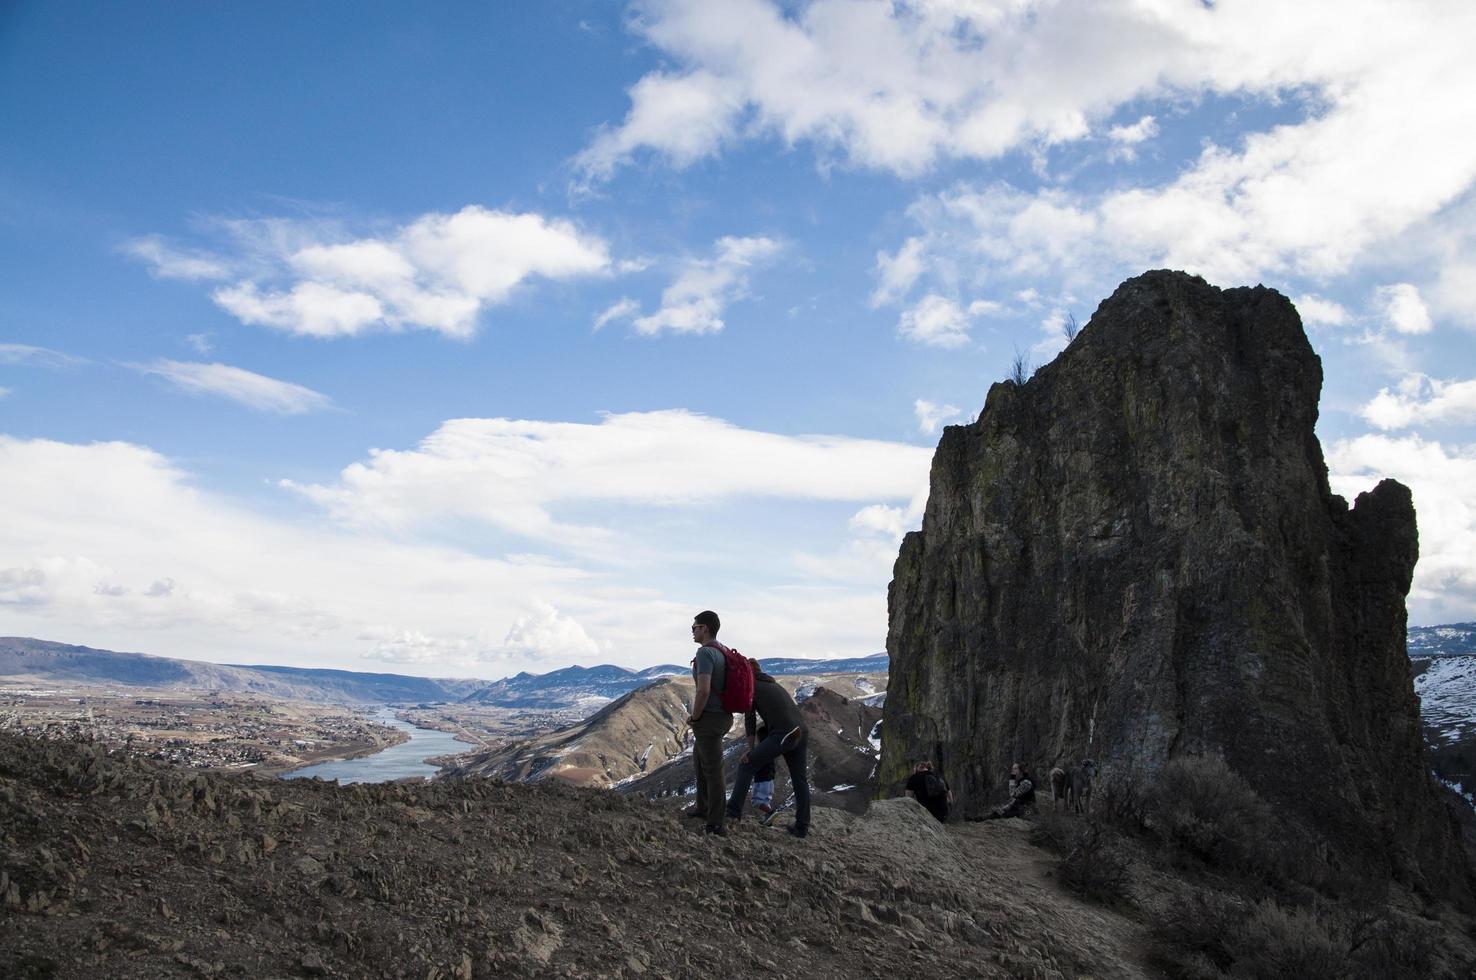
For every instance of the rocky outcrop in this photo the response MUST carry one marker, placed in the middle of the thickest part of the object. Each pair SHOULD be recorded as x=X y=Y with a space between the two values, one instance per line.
x=1135 y=555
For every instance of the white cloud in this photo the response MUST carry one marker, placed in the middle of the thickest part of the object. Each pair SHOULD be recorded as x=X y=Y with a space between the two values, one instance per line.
x=1126 y=139
x=1371 y=141
x=1420 y=399
x=6 y=392
x=168 y=262
x=688 y=117
x=1144 y=129
x=1444 y=585
x=931 y=415
x=439 y=272
x=935 y=321
x=621 y=309
x=1318 y=312
x=547 y=634
x=200 y=342
x=1403 y=308
x=899 y=86
x=512 y=474
x=144 y=560
x=696 y=300
x=39 y=356
x=896 y=273
x=239 y=385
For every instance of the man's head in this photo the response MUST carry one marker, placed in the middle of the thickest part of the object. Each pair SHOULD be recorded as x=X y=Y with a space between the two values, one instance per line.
x=705 y=626
x=1017 y=771
x=922 y=765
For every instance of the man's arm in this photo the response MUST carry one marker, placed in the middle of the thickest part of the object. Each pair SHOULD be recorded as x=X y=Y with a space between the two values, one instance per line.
x=699 y=701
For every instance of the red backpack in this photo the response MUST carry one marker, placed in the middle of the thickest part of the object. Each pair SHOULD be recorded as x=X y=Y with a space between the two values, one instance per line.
x=737 y=693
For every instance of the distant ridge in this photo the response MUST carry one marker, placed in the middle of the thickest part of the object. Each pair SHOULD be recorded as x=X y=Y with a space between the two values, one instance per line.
x=44 y=661
x=49 y=662
x=566 y=687
x=1450 y=640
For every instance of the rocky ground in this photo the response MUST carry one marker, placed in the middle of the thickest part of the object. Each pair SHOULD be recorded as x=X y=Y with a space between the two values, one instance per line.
x=120 y=867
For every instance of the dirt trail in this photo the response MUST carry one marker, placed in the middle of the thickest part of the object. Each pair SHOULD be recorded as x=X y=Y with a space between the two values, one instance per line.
x=111 y=867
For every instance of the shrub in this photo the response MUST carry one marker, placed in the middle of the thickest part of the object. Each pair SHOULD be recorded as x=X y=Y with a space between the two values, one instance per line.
x=1203 y=807
x=1096 y=867
x=1093 y=863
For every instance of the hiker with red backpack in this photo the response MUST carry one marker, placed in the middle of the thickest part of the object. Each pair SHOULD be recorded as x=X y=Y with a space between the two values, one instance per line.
x=787 y=736
x=724 y=686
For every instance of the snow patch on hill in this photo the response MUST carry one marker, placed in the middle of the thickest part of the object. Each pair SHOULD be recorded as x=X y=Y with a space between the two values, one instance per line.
x=1447 y=692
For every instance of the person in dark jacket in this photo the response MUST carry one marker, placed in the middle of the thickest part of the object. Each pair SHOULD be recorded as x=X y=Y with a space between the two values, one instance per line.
x=787 y=737
x=933 y=792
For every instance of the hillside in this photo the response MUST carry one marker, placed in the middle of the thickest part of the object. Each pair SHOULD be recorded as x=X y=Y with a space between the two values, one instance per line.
x=1447 y=690
x=124 y=869
x=645 y=727
x=641 y=734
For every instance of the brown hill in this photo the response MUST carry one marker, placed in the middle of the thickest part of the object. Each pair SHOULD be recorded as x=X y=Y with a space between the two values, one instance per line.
x=635 y=733
x=634 y=737
x=126 y=869
x=844 y=750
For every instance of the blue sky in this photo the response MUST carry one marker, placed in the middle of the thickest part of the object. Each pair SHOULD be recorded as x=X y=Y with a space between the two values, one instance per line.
x=477 y=338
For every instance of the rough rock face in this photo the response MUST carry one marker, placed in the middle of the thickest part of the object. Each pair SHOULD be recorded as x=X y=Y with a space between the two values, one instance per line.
x=1136 y=555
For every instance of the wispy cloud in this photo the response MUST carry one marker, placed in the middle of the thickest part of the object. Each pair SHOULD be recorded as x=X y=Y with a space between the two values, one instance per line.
x=256 y=391
x=168 y=262
x=931 y=415
x=38 y=356
x=704 y=288
x=622 y=309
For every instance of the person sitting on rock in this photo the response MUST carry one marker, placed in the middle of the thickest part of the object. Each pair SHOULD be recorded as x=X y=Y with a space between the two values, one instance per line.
x=787 y=737
x=929 y=788
x=1022 y=795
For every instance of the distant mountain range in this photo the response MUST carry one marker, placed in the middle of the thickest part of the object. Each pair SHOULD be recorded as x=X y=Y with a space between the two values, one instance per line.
x=1450 y=640
x=572 y=685
x=44 y=662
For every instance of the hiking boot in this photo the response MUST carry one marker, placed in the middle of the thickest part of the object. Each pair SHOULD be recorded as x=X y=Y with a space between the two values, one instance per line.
x=795 y=830
x=764 y=808
x=715 y=830
x=769 y=814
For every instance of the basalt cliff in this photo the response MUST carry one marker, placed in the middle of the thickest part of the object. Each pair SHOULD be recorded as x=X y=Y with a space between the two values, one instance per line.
x=1135 y=555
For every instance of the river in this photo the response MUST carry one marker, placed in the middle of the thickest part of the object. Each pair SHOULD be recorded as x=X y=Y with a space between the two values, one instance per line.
x=396 y=762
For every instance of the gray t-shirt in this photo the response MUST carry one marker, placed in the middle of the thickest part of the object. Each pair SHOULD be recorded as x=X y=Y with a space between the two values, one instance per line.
x=710 y=660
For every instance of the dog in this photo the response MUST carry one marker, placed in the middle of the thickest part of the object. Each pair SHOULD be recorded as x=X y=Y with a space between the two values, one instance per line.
x=1058 y=788
x=1079 y=781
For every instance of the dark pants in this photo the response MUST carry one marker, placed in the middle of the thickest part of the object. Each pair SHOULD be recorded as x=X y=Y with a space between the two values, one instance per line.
x=707 y=761
x=764 y=754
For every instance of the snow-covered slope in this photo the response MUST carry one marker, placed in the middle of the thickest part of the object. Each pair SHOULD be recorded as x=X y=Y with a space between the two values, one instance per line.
x=1447 y=690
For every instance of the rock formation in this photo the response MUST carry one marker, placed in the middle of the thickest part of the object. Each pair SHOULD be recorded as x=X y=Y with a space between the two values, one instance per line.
x=1135 y=555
